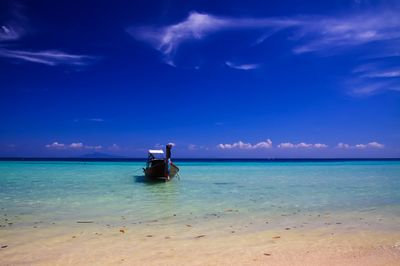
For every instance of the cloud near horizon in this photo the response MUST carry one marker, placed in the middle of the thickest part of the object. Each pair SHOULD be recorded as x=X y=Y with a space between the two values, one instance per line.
x=242 y=145
x=373 y=144
x=74 y=146
x=288 y=145
x=301 y=145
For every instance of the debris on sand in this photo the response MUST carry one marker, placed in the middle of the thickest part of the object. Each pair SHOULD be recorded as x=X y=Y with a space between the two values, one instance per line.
x=122 y=230
x=276 y=237
x=267 y=254
x=85 y=222
x=4 y=246
x=200 y=236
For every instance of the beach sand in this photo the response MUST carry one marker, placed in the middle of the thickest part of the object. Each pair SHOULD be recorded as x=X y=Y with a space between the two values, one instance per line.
x=93 y=244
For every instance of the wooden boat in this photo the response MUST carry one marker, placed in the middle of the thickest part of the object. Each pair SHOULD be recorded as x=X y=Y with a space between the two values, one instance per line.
x=158 y=167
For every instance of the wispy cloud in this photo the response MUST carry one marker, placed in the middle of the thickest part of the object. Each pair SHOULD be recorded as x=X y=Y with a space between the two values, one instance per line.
x=289 y=145
x=197 y=26
x=96 y=119
x=320 y=35
x=327 y=33
x=373 y=145
x=9 y=33
x=51 y=58
x=243 y=145
x=242 y=66
x=371 y=78
x=16 y=28
x=314 y=33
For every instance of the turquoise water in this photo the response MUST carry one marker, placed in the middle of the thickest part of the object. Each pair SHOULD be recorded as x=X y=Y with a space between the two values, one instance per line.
x=65 y=192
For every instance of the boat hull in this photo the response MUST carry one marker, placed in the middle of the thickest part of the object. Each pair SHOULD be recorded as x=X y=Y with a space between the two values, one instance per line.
x=157 y=171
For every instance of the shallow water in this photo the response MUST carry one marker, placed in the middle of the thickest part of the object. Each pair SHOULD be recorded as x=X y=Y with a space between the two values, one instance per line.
x=212 y=195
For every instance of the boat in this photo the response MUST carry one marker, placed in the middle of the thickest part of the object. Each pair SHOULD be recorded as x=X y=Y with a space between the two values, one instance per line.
x=159 y=167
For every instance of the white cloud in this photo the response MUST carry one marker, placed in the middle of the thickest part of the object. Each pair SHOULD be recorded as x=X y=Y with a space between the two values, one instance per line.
x=76 y=145
x=342 y=145
x=243 y=66
x=242 y=145
x=288 y=145
x=263 y=144
x=55 y=145
x=50 y=57
x=373 y=144
x=320 y=145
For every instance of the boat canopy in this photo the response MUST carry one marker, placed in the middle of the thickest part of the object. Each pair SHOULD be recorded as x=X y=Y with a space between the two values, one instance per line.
x=156 y=151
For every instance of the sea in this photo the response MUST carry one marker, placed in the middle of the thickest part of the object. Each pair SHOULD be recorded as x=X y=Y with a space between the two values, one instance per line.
x=220 y=196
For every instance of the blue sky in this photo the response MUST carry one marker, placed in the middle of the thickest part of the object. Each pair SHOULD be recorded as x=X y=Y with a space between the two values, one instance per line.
x=218 y=79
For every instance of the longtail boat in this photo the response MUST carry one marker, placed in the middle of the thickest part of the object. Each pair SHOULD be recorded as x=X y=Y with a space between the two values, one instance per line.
x=159 y=167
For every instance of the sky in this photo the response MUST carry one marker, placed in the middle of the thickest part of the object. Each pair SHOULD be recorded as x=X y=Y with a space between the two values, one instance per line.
x=219 y=79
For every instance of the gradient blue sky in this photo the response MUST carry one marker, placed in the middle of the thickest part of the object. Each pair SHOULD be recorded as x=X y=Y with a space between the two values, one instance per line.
x=217 y=78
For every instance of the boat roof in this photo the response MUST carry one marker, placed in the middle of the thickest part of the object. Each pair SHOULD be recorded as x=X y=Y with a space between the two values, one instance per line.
x=156 y=151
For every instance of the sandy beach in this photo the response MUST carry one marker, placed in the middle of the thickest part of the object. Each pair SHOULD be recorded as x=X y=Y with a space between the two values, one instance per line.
x=93 y=244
